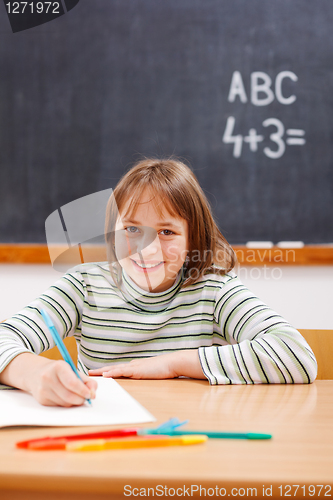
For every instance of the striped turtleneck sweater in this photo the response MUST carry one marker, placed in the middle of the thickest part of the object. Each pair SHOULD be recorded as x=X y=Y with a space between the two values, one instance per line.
x=239 y=339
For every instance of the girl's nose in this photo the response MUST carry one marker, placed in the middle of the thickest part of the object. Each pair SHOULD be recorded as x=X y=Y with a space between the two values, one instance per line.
x=152 y=249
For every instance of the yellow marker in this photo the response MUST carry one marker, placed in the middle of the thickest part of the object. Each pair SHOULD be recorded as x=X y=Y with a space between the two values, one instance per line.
x=146 y=442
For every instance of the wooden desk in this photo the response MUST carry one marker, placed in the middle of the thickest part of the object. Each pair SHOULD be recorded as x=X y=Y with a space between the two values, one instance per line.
x=300 y=418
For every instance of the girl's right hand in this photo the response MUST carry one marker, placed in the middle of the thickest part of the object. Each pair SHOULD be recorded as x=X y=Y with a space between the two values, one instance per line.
x=55 y=384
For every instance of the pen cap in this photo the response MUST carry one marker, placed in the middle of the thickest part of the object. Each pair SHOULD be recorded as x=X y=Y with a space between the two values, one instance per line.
x=194 y=439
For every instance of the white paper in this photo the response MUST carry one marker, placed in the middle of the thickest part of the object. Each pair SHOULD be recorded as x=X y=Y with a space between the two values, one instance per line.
x=113 y=405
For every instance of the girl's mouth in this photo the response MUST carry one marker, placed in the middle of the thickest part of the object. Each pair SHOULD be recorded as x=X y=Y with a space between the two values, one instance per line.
x=147 y=267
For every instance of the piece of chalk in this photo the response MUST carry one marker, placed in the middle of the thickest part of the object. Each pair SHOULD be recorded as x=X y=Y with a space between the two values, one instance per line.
x=290 y=244
x=259 y=244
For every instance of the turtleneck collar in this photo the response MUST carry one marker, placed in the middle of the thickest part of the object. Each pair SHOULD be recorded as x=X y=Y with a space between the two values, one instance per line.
x=149 y=301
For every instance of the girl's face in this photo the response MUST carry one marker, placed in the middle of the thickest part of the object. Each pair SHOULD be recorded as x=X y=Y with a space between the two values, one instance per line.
x=150 y=247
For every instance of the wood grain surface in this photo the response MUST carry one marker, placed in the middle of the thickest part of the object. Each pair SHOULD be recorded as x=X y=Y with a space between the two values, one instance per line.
x=300 y=453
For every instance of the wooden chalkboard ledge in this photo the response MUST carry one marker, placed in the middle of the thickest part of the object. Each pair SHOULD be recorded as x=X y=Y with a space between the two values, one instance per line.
x=14 y=253
x=309 y=255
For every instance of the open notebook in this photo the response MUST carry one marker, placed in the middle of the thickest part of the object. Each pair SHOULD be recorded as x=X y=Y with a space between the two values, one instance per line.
x=113 y=405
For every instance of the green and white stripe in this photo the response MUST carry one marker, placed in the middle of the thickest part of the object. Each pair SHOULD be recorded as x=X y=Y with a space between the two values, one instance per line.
x=240 y=340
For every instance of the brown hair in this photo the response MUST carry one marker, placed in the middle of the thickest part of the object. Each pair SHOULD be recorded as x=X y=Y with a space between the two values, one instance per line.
x=175 y=186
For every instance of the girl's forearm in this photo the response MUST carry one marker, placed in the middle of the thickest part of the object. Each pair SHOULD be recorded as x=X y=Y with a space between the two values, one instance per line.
x=186 y=363
x=20 y=370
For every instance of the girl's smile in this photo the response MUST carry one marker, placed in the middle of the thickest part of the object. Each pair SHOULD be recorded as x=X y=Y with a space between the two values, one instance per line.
x=147 y=266
x=151 y=245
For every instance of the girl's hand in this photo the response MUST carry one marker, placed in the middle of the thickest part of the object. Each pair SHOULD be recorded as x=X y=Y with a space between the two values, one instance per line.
x=157 y=367
x=52 y=383
x=55 y=384
x=176 y=364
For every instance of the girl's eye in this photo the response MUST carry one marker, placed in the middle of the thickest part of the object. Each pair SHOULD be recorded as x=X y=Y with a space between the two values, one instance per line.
x=131 y=229
x=167 y=232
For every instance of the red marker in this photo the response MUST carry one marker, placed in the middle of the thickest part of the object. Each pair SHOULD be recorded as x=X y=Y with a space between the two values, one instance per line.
x=59 y=442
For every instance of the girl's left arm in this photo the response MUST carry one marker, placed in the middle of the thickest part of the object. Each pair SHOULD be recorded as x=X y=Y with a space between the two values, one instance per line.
x=263 y=347
x=184 y=363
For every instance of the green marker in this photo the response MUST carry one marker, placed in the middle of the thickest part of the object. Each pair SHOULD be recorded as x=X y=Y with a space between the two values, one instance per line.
x=210 y=434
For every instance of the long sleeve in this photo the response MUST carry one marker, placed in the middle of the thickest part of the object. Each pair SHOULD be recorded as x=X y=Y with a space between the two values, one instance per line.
x=26 y=330
x=263 y=347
